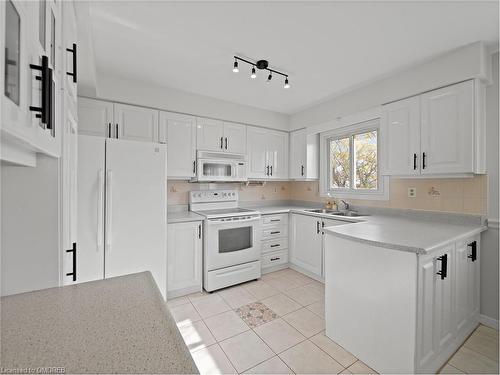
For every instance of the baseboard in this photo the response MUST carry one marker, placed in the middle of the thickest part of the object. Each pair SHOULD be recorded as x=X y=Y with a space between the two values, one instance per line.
x=183 y=292
x=489 y=322
x=306 y=272
x=274 y=268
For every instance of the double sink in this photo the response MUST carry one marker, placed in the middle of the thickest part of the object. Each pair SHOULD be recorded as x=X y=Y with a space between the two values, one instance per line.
x=348 y=213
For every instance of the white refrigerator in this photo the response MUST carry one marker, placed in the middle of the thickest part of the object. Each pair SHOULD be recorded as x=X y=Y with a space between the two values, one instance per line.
x=122 y=209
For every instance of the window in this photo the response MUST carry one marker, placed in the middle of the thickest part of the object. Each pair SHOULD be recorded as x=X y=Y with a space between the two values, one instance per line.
x=350 y=166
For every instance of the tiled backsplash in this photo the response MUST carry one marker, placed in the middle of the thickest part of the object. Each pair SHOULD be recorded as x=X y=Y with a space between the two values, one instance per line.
x=462 y=195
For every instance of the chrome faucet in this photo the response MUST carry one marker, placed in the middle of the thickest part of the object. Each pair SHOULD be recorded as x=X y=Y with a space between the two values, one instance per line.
x=346 y=205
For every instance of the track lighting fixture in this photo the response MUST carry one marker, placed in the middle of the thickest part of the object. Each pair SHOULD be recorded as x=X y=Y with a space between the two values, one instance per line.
x=261 y=65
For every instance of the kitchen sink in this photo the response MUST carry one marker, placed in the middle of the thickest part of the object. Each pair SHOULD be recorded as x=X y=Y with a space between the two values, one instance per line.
x=336 y=213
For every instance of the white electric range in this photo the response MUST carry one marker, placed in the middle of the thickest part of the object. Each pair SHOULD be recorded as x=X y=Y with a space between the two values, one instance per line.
x=231 y=246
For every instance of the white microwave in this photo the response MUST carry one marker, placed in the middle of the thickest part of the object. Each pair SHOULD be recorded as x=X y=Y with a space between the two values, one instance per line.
x=220 y=166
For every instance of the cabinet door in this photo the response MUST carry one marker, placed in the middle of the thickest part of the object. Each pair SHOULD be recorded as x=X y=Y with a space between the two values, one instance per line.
x=435 y=326
x=136 y=123
x=401 y=137
x=305 y=241
x=179 y=132
x=298 y=154
x=95 y=117
x=466 y=282
x=184 y=257
x=209 y=134
x=235 y=138
x=277 y=151
x=257 y=152
x=447 y=129
x=325 y=223
x=70 y=71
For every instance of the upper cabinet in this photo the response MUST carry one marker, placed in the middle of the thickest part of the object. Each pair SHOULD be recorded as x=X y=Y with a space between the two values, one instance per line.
x=440 y=132
x=304 y=155
x=267 y=153
x=179 y=132
x=121 y=121
x=216 y=135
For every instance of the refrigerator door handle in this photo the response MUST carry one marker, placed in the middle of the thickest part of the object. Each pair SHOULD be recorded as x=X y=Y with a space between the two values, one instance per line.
x=109 y=205
x=100 y=200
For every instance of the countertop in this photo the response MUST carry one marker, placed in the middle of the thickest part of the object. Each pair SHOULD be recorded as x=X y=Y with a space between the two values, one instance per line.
x=117 y=325
x=418 y=232
x=183 y=216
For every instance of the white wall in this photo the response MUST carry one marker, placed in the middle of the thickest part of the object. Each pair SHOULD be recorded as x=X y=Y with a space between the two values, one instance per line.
x=133 y=92
x=490 y=242
x=458 y=65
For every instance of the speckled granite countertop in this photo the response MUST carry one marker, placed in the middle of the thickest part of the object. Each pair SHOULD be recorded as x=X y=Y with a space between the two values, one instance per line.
x=117 y=325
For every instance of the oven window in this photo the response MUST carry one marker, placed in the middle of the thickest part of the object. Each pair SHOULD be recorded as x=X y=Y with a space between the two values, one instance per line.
x=235 y=239
x=217 y=170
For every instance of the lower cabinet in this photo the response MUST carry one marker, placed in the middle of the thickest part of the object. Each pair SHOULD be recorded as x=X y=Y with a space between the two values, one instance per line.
x=306 y=239
x=184 y=260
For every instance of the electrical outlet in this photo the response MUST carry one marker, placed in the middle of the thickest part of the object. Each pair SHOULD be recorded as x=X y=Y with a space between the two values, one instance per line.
x=412 y=192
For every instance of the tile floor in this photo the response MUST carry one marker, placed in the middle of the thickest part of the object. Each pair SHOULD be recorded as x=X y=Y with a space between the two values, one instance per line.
x=276 y=326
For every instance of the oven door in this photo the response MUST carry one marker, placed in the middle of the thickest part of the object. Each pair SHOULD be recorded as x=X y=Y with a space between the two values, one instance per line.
x=232 y=242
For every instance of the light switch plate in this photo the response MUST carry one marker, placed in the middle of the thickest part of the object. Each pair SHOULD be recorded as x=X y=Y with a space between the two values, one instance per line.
x=412 y=192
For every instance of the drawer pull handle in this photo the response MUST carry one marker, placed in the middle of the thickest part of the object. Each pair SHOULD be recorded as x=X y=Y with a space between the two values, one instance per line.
x=274 y=220
x=275 y=232
x=273 y=259
x=275 y=245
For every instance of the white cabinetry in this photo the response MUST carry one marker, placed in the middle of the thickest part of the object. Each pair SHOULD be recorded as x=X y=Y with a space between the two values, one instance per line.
x=274 y=242
x=267 y=153
x=179 y=132
x=306 y=243
x=136 y=123
x=216 y=135
x=184 y=258
x=304 y=155
x=440 y=132
x=112 y=120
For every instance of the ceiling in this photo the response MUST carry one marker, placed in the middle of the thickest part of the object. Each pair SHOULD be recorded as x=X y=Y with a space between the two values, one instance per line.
x=326 y=47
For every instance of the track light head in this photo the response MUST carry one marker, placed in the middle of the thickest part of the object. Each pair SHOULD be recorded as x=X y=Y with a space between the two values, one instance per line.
x=287 y=85
x=253 y=75
x=235 y=66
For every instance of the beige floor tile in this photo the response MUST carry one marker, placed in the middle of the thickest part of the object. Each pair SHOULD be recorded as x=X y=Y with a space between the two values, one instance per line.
x=177 y=301
x=483 y=343
x=484 y=330
x=196 y=335
x=237 y=296
x=449 y=369
x=185 y=314
x=279 y=335
x=260 y=290
x=361 y=368
x=316 y=287
x=283 y=283
x=307 y=358
x=246 y=350
x=318 y=308
x=210 y=305
x=337 y=352
x=213 y=360
x=472 y=362
x=194 y=296
x=299 y=279
x=272 y=366
x=345 y=371
x=304 y=295
x=269 y=276
x=226 y=325
x=281 y=304
x=305 y=322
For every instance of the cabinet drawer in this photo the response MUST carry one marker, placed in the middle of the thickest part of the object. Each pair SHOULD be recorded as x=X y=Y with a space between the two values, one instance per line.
x=275 y=245
x=278 y=231
x=275 y=258
x=273 y=220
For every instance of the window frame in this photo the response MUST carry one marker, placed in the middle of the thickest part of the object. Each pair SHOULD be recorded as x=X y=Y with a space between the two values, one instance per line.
x=349 y=131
